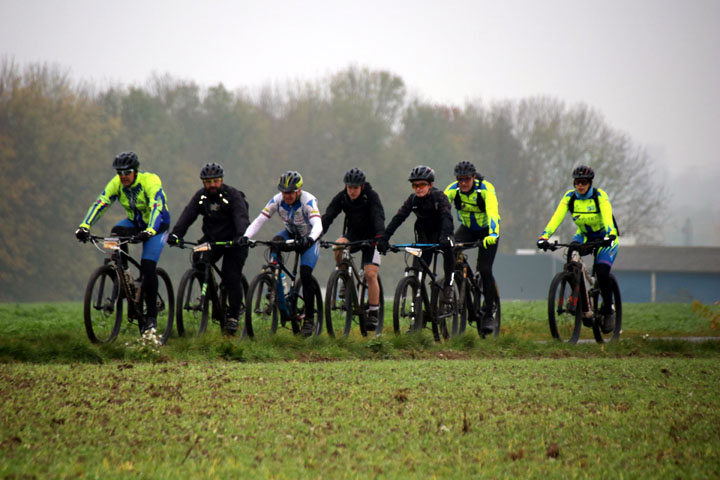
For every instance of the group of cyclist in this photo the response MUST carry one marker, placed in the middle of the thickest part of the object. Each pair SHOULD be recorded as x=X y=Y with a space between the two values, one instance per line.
x=225 y=217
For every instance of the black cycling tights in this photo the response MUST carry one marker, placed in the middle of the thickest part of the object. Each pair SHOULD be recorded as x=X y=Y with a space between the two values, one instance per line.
x=602 y=271
x=150 y=286
x=308 y=290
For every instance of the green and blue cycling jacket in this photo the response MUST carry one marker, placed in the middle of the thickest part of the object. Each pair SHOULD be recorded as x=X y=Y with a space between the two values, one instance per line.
x=591 y=223
x=476 y=213
x=144 y=201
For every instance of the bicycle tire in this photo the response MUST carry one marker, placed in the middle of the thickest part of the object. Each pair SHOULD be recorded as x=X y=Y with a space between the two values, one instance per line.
x=478 y=307
x=445 y=314
x=165 y=304
x=317 y=308
x=564 y=308
x=101 y=306
x=614 y=335
x=339 y=308
x=407 y=314
x=363 y=308
x=261 y=307
x=191 y=309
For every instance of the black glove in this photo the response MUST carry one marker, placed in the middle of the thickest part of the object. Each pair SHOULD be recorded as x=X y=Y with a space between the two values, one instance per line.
x=608 y=241
x=543 y=244
x=382 y=244
x=173 y=240
x=241 y=241
x=446 y=241
x=303 y=243
x=82 y=234
x=144 y=236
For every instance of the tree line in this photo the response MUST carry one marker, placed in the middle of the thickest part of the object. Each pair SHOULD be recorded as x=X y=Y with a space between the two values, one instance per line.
x=58 y=138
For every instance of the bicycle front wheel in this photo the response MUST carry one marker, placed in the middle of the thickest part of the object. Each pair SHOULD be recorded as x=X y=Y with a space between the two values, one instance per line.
x=165 y=305
x=407 y=307
x=564 y=308
x=480 y=307
x=614 y=334
x=339 y=303
x=317 y=306
x=445 y=314
x=261 y=308
x=192 y=307
x=102 y=308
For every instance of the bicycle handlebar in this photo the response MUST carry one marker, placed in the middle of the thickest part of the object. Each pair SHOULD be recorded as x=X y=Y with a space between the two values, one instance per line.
x=185 y=243
x=362 y=243
x=120 y=239
x=604 y=242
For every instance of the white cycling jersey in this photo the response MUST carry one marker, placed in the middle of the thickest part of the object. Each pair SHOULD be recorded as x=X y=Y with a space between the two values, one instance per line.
x=302 y=217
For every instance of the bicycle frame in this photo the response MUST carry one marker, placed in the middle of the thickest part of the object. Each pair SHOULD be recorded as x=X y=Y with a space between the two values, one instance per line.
x=111 y=247
x=208 y=270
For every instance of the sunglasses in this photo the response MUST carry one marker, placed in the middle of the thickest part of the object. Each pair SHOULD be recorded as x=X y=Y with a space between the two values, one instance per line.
x=125 y=173
x=417 y=186
x=463 y=179
x=581 y=181
x=210 y=181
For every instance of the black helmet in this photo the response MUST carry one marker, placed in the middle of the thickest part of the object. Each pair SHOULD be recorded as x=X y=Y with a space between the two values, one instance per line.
x=211 y=170
x=422 y=172
x=126 y=161
x=290 y=181
x=464 y=168
x=583 y=171
x=354 y=176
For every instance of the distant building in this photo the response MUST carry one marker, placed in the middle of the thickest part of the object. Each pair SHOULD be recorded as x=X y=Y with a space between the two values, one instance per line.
x=645 y=274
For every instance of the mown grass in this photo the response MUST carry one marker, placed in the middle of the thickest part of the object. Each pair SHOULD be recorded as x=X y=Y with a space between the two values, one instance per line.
x=491 y=418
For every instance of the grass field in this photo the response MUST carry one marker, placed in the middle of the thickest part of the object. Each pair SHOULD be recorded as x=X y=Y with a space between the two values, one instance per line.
x=389 y=407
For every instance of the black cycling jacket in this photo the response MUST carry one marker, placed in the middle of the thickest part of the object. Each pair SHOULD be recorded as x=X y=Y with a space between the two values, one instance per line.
x=364 y=216
x=225 y=215
x=432 y=211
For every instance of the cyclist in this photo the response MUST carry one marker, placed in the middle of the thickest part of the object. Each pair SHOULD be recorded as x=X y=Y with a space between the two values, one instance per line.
x=364 y=219
x=299 y=210
x=225 y=218
x=434 y=223
x=148 y=218
x=477 y=211
x=592 y=213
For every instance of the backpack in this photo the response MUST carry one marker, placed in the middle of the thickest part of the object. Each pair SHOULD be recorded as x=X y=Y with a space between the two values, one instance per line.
x=594 y=196
x=480 y=201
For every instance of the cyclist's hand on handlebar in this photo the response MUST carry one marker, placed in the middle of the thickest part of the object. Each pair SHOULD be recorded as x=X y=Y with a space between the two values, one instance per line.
x=543 y=244
x=173 y=240
x=144 y=236
x=82 y=234
x=303 y=243
x=446 y=241
x=489 y=240
x=241 y=241
x=608 y=240
x=382 y=244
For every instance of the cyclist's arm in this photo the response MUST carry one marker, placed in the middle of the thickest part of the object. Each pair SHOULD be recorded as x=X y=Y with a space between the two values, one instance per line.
x=558 y=216
x=332 y=211
x=606 y=213
x=446 y=227
x=491 y=208
x=264 y=216
x=402 y=213
x=103 y=202
x=157 y=202
x=188 y=216
x=377 y=212
x=312 y=212
x=239 y=211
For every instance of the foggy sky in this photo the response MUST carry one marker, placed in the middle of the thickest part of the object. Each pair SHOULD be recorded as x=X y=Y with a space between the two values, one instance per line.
x=650 y=67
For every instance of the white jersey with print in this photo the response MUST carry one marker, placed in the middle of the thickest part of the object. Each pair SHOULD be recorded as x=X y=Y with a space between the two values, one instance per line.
x=302 y=217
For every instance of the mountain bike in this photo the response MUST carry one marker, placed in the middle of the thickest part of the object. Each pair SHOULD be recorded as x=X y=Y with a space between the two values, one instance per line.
x=414 y=308
x=275 y=297
x=346 y=294
x=200 y=296
x=574 y=297
x=470 y=294
x=114 y=294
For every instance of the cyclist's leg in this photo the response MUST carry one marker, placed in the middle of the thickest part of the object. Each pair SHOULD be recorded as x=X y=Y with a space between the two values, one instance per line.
x=124 y=228
x=485 y=260
x=308 y=259
x=232 y=267
x=152 y=248
x=371 y=265
x=603 y=263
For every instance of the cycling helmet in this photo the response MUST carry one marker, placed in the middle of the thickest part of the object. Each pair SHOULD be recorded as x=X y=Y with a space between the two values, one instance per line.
x=126 y=161
x=290 y=181
x=464 y=168
x=422 y=172
x=211 y=170
x=583 y=171
x=354 y=176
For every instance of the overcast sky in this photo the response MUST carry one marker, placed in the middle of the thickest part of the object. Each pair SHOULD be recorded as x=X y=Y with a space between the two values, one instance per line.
x=651 y=67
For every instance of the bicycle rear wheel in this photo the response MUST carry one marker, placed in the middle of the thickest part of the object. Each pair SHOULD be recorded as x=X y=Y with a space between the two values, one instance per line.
x=102 y=309
x=339 y=303
x=261 y=309
x=192 y=307
x=564 y=308
x=614 y=334
x=364 y=305
x=407 y=307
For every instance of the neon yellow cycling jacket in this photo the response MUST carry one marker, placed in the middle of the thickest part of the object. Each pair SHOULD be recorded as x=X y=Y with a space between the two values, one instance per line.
x=469 y=213
x=589 y=221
